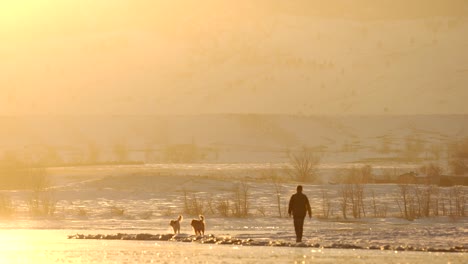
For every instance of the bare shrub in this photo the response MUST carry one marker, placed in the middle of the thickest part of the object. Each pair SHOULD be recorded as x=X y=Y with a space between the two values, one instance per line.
x=245 y=192
x=425 y=199
x=304 y=165
x=42 y=204
x=417 y=194
x=457 y=194
x=382 y=211
x=352 y=195
x=278 y=191
x=435 y=200
x=197 y=206
x=417 y=201
x=241 y=204
x=41 y=201
x=374 y=204
x=326 y=204
x=405 y=202
x=345 y=195
x=193 y=205
x=379 y=210
x=223 y=207
x=357 y=200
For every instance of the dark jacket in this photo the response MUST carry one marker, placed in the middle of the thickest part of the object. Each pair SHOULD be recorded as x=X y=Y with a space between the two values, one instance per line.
x=299 y=205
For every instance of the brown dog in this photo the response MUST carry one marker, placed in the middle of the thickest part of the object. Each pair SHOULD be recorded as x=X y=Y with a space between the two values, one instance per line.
x=199 y=226
x=176 y=224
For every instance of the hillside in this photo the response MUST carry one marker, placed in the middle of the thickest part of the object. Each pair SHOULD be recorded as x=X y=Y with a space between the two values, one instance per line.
x=390 y=58
x=229 y=137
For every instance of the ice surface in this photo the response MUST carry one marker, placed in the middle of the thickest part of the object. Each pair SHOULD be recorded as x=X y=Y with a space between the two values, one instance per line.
x=49 y=246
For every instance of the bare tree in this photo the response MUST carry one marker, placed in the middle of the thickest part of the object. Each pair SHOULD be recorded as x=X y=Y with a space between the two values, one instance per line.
x=193 y=205
x=304 y=165
x=223 y=207
x=357 y=200
x=326 y=204
x=345 y=194
x=414 y=201
x=272 y=175
x=404 y=199
x=241 y=204
x=458 y=195
x=278 y=191
x=41 y=201
x=374 y=204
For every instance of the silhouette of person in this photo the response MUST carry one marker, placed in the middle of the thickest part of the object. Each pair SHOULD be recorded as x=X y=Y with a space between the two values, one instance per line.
x=298 y=206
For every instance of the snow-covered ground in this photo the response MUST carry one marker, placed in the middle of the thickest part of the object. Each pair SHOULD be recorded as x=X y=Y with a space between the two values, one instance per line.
x=150 y=197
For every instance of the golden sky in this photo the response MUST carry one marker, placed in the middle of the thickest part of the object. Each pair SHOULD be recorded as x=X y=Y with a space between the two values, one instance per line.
x=150 y=57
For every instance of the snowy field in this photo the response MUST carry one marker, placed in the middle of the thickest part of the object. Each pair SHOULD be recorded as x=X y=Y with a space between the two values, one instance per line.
x=146 y=199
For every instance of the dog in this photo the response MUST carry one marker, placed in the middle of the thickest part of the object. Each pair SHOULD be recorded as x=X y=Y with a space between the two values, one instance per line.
x=199 y=226
x=176 y=224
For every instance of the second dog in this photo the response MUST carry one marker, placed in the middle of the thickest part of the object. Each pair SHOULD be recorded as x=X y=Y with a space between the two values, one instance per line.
x=199 y=226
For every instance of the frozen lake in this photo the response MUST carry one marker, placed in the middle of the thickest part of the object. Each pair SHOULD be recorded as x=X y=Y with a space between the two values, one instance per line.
x=52 y=246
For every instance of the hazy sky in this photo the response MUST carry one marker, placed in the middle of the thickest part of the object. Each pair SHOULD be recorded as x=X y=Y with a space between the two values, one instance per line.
x=185 y=57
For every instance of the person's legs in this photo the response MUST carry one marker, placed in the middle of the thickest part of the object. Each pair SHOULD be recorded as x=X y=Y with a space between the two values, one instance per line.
x=298 y=227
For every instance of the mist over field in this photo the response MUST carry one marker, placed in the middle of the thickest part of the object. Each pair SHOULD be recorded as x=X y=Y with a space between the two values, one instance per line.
x=229 y=138
x=194 y=57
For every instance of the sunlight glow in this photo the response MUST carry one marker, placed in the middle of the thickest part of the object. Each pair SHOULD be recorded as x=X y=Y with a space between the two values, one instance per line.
x=186 y=56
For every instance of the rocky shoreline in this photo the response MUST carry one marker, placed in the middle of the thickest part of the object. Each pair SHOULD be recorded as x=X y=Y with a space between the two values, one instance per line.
x=227 y=240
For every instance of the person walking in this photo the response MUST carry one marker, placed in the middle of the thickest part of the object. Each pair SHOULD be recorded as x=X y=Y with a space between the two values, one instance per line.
x=298 y=206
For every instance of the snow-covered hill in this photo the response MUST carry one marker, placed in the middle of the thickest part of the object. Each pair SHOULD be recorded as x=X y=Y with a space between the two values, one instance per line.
x=231 y=137
x=284 y=59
